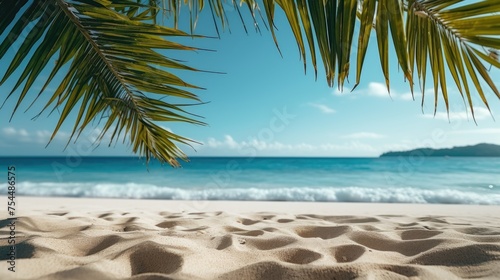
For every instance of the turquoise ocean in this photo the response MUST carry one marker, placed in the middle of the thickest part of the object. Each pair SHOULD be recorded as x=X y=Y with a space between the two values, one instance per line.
x=391 y=179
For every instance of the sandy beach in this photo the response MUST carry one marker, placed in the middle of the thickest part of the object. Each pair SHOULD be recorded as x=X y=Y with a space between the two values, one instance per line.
x=71 y=238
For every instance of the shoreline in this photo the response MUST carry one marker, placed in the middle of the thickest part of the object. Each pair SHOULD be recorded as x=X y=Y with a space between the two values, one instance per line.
x=35 y=203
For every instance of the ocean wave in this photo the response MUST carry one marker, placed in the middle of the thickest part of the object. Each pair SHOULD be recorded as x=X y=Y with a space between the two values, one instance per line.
x=323 y=194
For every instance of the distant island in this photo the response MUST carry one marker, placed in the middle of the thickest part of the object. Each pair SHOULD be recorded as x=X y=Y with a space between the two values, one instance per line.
x=479 y=150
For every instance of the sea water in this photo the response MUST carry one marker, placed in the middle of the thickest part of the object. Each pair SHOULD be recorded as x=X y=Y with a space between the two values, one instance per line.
x=391 y=179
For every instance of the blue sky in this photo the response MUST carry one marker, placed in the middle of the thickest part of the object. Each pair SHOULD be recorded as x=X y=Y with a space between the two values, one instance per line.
x=266 y=106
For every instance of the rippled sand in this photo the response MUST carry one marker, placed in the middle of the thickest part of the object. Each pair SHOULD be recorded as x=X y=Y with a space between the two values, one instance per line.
x=123 y=241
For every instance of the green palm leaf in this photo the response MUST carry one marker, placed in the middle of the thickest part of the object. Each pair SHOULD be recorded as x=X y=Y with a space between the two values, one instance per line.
x=450 y=35
x=107 y=50
x=456 y=30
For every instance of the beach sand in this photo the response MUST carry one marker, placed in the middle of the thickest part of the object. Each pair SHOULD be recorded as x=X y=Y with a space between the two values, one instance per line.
x=71 y=238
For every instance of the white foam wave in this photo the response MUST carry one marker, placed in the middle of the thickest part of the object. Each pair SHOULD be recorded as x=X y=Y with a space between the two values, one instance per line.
x=345 y=194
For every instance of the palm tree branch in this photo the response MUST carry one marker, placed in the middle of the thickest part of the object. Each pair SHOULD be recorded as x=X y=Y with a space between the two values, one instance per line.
x=108 y=72
x=454 y=30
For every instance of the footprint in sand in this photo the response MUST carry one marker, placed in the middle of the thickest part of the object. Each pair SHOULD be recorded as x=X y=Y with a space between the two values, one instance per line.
x=419 y=234
x=244 y=232
x=248 y=222
x=104 y=243
x=322 y=232
x=381 y=242
x=478 y=231
x=347 y=253
x=269 y=243
x=298 y=255
x=282 y=221
x=151 y=257
x=168 y=224
x=469 y=255
x=222 y=242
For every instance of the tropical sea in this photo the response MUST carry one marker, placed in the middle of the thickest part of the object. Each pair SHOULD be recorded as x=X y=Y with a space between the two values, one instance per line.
x=391 y=180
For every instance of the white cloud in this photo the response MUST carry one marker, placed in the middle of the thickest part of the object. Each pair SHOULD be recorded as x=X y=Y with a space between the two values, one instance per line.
x=417 y=94
x=323 y=108
x=227 y=142
x=408 y=97
x=9 y=131
x=479 y=113
x=363 y=135
x=231 y=143
x=20 y=141
x=380 y=90
x=20 y=135
x=377 y=89
x=43 y=134
x=37 y=136
x=212 y=143
x=374 y=89
x=327 y=149
x=166 y=128
x=23 y=132
x=337 y=92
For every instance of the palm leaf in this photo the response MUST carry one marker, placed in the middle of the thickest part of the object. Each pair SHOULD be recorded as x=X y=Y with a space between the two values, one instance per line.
x=447 y=34
x=108 y=51
x=456 y=30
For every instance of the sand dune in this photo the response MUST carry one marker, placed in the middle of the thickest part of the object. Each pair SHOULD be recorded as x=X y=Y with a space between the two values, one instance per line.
x=77 y=243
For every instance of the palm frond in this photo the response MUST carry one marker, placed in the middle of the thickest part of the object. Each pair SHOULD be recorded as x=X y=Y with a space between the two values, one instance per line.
x=447 y=34
x=454 y=34
x=108 y=52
